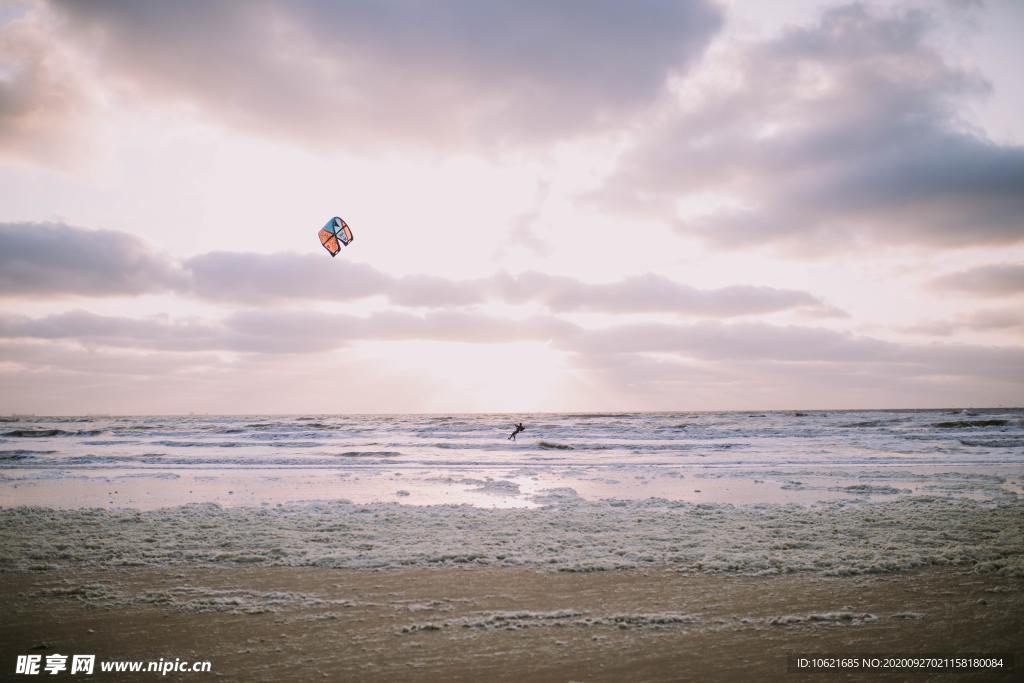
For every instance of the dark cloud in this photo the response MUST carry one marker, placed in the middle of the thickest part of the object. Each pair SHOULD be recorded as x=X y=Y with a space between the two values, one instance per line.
x=56 y=259
x=50 y=259
x=249 y=278
x=454 y=70
x=997 y=279
x=252 y=279
x=840 y=133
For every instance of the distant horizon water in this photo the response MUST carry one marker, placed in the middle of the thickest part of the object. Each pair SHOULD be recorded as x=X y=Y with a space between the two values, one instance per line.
x=792 y=456
x=680 y=411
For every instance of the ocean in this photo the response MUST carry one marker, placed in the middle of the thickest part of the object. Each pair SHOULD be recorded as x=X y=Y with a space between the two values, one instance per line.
x=801 y=457
x=830 y=493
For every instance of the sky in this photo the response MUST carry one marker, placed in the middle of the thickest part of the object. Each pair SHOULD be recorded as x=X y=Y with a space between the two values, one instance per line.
x=557 y=206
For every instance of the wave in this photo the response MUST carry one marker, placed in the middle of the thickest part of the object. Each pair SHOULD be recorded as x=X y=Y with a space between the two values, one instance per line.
x=25 y=451
x=49 y=433
x=556 y=446
x=367 y=454
x=199 y=444
x=307 y=423
x=993 y=443
x=584 y=415
x=967 y=424
x=870 y=489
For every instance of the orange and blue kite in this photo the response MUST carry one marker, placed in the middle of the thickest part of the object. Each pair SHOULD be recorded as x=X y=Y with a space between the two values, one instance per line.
x=334 y=235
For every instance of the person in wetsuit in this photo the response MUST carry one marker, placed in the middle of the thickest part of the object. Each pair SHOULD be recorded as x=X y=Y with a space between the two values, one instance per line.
x=519 y=428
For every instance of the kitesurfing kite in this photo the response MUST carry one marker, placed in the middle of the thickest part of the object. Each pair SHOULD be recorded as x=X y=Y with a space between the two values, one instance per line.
x=335 y=234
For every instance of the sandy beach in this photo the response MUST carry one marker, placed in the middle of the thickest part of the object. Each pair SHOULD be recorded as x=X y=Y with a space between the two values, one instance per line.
x=609 y=590
x=300 y=624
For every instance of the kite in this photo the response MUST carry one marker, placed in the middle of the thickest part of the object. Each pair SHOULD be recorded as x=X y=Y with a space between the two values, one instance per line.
x=335 y=234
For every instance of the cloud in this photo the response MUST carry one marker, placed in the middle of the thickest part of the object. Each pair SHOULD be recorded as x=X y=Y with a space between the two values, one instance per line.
x=739 y=341
x=52 y=259
x=652 y=294
x=983 y=320
x=124 y=382
x=246 y=278
x=43 y=95
x=298 y=331
x=351 y=72
x=251 y=278
x=742 y=365
x=98 y=331
x=800 y=347
x=699 y=365
x=57 y=360
x=290 y=332
x=277 y=331
x=841 y=133
x=261 y=278
x=997 y=279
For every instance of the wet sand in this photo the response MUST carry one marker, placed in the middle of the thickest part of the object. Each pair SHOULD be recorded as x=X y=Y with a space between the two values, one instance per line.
x=308 y=623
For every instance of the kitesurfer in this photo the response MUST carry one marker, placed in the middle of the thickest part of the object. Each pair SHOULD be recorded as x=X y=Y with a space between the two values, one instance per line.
x=519 y=428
